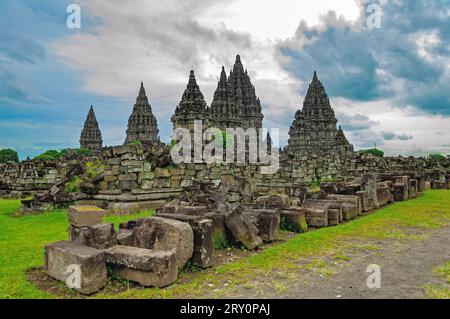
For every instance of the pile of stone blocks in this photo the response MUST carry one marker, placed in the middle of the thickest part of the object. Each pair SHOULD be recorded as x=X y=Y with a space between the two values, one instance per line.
x=149 y=251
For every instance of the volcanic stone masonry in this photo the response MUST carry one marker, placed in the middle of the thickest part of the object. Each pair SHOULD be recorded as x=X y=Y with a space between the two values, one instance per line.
x=91 y=137
x=142 y=124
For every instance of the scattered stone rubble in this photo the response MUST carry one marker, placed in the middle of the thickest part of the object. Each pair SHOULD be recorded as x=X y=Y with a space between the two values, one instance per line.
x=151 y=251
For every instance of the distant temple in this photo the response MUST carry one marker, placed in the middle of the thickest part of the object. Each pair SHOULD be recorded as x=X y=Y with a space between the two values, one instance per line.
x=91 y=136
x=235 y=102
x=191 y=108
x=314 y=131
x=142 y=124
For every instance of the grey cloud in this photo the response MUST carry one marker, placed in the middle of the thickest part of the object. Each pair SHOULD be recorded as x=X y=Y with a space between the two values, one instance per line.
x=390 y=136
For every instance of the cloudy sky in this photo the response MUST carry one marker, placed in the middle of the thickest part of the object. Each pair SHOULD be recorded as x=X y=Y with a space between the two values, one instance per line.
x=389 y=86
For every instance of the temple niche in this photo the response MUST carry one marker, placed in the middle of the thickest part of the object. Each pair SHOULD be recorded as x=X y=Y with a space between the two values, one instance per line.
x=142 y=124
x=91 y=136
x=191 y=108
x=313 y=131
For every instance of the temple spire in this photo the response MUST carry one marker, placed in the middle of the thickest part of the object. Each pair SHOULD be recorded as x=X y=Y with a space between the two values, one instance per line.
x=191 y=107
x=91 y=136
x=142 y=124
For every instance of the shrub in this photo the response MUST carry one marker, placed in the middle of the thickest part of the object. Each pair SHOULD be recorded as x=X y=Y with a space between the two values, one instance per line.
x=437 y=157
x=373 y=151
x=8 y=155
x=93 y=169
x=74 y=185
x=50 y=155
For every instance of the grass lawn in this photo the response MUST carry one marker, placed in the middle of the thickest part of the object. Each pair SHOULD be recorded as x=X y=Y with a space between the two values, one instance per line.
x=22 y=240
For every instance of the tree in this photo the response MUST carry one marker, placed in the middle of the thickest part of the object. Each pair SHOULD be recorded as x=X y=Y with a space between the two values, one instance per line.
x=437 y=157
x=372 y=151
x=8 y=155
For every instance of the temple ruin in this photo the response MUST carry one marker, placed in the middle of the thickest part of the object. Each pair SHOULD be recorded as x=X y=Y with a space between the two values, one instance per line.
x=91 y=136
x=142 y=124
x=198 y=204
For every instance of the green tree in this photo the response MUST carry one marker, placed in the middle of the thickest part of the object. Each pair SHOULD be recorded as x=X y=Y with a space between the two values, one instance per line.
x=8 y=155
x=373 y=151
x=438 y=157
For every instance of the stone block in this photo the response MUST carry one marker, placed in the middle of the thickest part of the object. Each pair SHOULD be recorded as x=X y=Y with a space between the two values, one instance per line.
x=351 y=199
x=400 y=192
x=272 y=201
x=165 y=234
x=243 y=229
x=439 y=185
x=293 y=219
x=317 y=216
x=149 y=268
x=124 y=236
x=100 y=236
x=194 y=210
x=266 y=221
x=65 y=258
x=81 y=216
x=162 y=172
x=384 y=194
x=349 y=211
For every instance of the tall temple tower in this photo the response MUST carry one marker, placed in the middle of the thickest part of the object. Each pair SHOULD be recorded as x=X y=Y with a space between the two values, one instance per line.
x=314 y=128
x=142 y=124
x=91 y=136
x=224 y=111
x=244 y=96
x=192 y=107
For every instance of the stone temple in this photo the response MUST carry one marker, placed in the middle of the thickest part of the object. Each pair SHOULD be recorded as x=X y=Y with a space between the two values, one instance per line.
x=142 y=124
x=91 y=136
x=191 y=108
x=235 y=102
x=313 y=131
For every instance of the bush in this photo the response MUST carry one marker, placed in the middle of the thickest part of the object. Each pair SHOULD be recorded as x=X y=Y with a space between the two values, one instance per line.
x=53 y=155
x=50 y=155
x=74 y=185
x=437 y=157
x=373 y=151
x=8 y=155
x=93 y=169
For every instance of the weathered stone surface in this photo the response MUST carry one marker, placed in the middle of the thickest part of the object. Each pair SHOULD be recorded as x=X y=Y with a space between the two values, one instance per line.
x=124 y=236
x=81 y=216
x=439 y=185
x=243 y=229
x=383 y=194
x=266 y=221
x=293 y=219
x=63 y=257
x=100 y=236
x=350 y=199
x=272 y=201
x=203 y=237
x=317 y=216
x=149 y=268
x=349 y=211
x=400 y=192
x=194 y=210
x=203 y=243
x=165 y=234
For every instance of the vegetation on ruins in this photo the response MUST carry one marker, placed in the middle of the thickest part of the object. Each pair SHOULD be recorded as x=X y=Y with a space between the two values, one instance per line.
x=53 y=155
x=373 y=151
x=22 y=239
x=8 y=155
x=437 y=157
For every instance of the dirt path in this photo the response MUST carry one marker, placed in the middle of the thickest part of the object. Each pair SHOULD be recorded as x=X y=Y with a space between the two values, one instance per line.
x=406 y=266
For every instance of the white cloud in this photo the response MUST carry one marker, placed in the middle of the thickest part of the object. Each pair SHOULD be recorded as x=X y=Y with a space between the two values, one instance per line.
x=158 y=42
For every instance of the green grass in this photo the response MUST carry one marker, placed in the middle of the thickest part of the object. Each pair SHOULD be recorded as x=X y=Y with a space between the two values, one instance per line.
x=22 y=241
x=440 y=291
